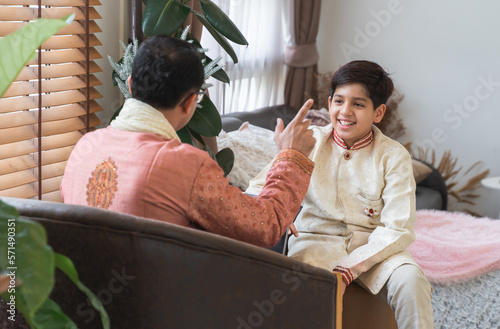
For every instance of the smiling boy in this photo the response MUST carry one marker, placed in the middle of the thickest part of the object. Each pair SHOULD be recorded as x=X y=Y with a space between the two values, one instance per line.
x=359 y=211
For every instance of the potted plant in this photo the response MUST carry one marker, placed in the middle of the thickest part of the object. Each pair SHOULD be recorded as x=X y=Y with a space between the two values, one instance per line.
x=27 y=263
x=168 y=17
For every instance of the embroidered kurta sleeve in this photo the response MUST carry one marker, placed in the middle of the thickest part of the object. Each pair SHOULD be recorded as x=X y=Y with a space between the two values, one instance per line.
x=395 y=232
x=218 y=207
x=257 y=183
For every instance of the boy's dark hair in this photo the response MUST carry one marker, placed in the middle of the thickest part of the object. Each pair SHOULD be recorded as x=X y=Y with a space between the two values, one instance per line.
x=370 y=75
x=164 y=70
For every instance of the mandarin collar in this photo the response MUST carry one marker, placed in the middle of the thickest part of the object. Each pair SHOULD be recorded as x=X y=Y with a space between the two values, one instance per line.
x=359 y=144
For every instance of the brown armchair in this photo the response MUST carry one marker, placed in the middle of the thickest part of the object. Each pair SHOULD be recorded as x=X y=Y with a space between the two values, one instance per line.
x=151 y=274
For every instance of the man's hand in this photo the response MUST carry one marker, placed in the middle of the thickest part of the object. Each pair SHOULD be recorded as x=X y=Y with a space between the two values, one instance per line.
x=296 y=135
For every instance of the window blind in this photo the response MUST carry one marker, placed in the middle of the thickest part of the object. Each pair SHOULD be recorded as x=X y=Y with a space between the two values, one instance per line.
x=52 y=102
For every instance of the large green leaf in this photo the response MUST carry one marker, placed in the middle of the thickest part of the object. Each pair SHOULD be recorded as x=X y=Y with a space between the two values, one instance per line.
x=20 y=46
x=33 y=261
x=198 y=138
x=219 y=20
x=217 y=36
x=225 y=159
x=185 y=136
x=163 y=17
x=7 y=211
x=66 y=265
x=50 y=316
x=206 y=121
x=24 y=253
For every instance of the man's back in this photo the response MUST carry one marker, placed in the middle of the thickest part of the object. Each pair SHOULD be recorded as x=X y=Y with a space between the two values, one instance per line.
x=142 y=174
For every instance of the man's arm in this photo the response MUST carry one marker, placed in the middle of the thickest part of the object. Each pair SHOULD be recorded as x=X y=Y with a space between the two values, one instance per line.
x=224 y=209
x=221 y=208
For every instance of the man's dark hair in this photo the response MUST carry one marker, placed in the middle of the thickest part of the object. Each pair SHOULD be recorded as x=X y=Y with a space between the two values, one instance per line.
x=165 y=70
x=370 y=75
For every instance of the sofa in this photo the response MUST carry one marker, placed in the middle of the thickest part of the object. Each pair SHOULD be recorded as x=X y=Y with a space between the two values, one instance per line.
x=152 y=274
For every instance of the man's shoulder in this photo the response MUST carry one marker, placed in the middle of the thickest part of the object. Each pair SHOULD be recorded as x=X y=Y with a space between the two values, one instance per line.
x=183 y=152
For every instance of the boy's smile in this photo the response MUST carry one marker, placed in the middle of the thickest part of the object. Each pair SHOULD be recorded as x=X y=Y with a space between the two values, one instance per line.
x=352 y=113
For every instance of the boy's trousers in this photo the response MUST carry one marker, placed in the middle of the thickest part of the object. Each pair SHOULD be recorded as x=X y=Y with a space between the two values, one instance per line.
x=409 y=295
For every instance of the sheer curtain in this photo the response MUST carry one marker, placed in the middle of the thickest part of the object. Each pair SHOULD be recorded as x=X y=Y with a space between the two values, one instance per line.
x=258 y=79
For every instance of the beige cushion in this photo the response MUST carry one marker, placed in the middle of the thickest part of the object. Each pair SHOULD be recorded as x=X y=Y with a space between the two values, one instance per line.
x=420 y=171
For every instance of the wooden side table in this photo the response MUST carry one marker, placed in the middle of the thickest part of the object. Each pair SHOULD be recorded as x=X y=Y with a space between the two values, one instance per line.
x=493 y=183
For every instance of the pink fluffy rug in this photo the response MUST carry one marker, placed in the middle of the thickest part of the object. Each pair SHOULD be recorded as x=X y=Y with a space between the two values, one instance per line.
x=455 y=247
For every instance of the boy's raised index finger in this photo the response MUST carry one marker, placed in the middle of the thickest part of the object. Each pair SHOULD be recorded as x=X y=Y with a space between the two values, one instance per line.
x=303 y=110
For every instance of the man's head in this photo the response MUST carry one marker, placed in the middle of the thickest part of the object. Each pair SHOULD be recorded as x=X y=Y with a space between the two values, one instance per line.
x=359 y=91
x=166 y=71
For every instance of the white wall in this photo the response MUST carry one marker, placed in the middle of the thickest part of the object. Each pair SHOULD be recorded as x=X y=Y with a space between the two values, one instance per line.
x=440 y=54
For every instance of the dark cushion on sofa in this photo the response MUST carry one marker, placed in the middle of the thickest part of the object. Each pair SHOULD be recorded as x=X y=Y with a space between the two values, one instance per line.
x=433 y=184
x=265 y=117
x=428 y=198
x=231 y=123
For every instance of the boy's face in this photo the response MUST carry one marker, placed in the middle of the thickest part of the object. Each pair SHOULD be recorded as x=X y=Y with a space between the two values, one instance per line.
x=352 y=113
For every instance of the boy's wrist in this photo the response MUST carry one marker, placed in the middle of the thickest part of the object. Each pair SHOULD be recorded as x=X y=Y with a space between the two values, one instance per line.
x=347 y=276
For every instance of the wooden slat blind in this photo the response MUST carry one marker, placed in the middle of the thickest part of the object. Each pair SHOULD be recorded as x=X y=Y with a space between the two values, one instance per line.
x=52 y=103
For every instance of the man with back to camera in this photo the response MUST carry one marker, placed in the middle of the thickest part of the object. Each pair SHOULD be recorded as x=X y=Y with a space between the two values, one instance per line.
x=138 y=165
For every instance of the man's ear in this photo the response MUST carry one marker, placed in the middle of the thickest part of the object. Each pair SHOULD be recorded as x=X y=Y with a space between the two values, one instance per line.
x=129 y=80
x=379 y=113
x=186 y=108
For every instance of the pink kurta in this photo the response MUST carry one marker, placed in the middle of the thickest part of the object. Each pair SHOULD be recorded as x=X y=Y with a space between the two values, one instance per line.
x=147 y=175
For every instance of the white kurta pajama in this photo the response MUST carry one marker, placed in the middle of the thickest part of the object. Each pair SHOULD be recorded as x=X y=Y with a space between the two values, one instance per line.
x=359 y=211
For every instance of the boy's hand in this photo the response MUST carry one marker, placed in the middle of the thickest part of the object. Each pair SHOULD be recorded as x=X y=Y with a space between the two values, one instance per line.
x=296 y=135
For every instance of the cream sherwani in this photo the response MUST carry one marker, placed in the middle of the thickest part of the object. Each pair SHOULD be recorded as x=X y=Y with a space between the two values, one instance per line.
x=359 y=210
